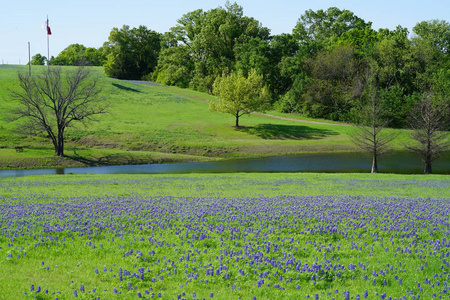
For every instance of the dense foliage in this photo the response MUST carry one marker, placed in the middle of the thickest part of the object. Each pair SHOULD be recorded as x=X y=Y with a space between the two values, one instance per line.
x=131 y=53
x=79 y=55
x=211 y=43
x=38 y=60
x=321 y=69
x=238 y=95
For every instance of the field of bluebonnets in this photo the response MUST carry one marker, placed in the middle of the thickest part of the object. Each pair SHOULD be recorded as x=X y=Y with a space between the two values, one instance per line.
x=243 y=236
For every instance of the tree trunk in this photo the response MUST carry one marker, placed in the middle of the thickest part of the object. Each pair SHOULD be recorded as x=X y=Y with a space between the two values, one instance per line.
x=428 y=155
x=374 y=164
x=237 y=120
x=54 y=141
x=428 y=169
x=59 y=149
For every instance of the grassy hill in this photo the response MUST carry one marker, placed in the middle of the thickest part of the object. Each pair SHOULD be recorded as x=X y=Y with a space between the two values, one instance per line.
x=149 y=123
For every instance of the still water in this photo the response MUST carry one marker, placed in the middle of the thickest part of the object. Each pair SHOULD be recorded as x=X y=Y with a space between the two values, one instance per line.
x=398 y=162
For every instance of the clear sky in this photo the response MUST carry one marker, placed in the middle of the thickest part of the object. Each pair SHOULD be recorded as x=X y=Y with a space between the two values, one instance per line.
x=89 y=22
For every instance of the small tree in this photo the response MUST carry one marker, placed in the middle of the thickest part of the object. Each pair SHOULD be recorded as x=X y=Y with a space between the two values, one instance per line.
x=239 y=95
x=53 y=101
x=369 y=136
x=429 y=122
x=38 y=59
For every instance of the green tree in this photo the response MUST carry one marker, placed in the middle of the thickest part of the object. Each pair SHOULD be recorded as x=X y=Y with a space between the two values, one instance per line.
x=398 y=70
x=239 y=95
x=38 y=59
x=440 y=82
x=213 y=41
x=322 y=76
x=435 y=32
x=294 y=79
x=132 y=53
x=70 y=56
x=361 y=38
x=175 y=67
x=337 y=79
x=176 y=62
x=79 y=55
x=285 y=59
x=431 y=51
x=253 y=54
x=393 y=55
x=292 y=101
x=322 y=28
x=94 y=56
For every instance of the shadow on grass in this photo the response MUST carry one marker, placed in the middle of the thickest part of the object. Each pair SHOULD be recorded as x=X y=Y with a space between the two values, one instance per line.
x=125 y=88
x=104 y=160
x=287 y=132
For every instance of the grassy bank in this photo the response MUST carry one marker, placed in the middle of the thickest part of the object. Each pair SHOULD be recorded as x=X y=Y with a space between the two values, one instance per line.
x=146 y=120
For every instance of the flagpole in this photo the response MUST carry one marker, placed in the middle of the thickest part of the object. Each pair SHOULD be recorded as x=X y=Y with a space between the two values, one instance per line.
x=29 y=59
x=48 y=47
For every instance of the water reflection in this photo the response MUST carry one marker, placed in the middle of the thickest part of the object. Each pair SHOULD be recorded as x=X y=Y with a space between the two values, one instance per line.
x=398 y=162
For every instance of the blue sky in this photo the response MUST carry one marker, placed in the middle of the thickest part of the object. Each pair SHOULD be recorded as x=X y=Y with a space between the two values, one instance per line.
x=89 y=22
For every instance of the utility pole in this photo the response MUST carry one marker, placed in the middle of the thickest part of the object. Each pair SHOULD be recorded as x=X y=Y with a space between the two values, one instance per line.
x=29 y=59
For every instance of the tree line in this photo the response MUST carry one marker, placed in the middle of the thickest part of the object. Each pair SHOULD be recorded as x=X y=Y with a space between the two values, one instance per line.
x=333 y=65
x=321 y=69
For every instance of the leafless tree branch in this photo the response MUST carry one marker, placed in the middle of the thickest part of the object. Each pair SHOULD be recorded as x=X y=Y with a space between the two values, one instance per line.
x=53 y=100
x=369 y=135
x=429 y=123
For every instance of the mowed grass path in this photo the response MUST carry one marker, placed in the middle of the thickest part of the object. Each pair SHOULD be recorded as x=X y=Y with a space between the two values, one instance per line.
x=148 y=123
x=224 y=236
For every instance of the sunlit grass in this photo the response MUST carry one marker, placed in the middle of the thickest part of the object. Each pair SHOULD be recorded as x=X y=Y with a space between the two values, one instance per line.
x=228 y=185
x=150 y=118
x=235 y=236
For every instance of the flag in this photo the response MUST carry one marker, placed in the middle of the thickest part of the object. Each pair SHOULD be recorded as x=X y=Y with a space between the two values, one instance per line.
x=47 y=27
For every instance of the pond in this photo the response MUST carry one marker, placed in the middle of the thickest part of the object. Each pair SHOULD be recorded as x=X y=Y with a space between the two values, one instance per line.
x=396 y=162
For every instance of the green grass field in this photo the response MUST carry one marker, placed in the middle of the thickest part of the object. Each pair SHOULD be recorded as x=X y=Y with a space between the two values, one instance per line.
x=224 y=236
x=145 y=120
x=210 y=236
x=227 y=185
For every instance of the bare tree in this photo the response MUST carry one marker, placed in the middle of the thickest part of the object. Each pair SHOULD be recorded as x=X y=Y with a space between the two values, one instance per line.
x=429 y=122
x=369 y=136
x=54 y=100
